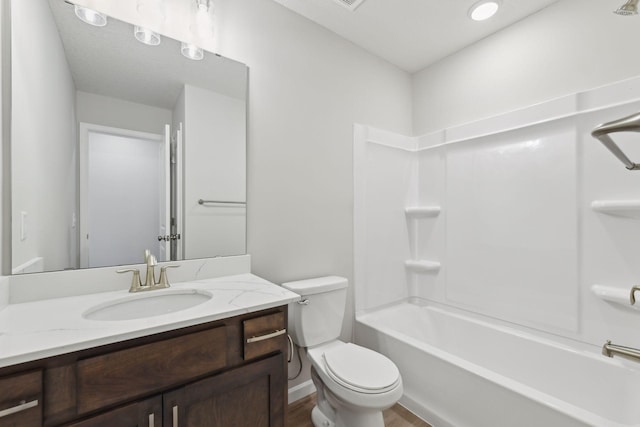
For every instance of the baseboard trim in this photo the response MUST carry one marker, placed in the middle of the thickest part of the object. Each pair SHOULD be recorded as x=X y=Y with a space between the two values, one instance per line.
x=301 y=390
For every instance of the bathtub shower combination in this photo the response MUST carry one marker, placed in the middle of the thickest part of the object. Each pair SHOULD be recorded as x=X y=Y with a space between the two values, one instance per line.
x=495 y=259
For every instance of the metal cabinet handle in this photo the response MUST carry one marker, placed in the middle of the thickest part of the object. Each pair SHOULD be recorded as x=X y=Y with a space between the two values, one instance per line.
x=152 y=419
x=632 y=296
x=23 y=406
x=175 y=416
x=267 y=336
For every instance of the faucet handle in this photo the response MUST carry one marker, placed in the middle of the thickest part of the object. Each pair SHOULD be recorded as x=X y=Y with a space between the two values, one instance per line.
x=136 y=283
x=163 y=282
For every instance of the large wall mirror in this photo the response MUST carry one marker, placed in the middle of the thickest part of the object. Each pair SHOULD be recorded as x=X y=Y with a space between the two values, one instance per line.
x=118 y=146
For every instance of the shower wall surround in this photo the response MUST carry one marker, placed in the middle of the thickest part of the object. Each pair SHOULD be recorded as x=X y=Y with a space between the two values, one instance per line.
x=495 y=217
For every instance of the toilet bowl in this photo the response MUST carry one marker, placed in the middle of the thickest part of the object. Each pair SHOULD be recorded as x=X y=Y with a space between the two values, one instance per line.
x=354 y=384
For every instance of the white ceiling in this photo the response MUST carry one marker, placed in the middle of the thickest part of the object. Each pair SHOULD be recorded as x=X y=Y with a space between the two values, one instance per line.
x=109 y=61
x=412 y=34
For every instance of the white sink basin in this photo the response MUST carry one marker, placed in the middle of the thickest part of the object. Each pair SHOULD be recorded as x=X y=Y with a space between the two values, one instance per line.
x=147 y=304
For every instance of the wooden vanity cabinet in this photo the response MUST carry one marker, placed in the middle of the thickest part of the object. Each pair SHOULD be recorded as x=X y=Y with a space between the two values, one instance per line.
x=21 y=400
x=230 y=372
x=246 y=396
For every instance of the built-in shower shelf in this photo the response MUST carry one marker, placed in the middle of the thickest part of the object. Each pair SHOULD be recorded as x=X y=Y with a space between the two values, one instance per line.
x=628 y=208
x=422 y=266
x=422 y=211
x=616 y=295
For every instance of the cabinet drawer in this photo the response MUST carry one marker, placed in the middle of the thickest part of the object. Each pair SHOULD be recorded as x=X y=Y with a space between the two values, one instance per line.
x=134 y=372
x=147 y=413
x=21 y=400
x=264 y=335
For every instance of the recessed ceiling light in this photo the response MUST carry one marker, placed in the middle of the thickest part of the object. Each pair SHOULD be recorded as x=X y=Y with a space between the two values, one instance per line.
x=90 y=16
x=484 y=9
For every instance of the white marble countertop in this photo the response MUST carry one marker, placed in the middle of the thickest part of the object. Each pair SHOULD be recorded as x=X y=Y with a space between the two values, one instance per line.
x=35 y=330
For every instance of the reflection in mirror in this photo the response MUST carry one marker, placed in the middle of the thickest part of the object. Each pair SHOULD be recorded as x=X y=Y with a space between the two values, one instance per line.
x=114 y=142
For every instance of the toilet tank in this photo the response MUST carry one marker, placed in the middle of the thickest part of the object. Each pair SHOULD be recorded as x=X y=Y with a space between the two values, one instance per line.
x=317 y=318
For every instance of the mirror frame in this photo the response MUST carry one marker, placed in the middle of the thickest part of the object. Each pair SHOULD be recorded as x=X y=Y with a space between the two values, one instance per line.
x=5 y=235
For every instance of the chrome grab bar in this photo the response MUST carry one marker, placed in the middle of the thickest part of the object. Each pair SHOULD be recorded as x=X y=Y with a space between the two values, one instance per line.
x=610 y=350
x=219 y=202
x=626 y=124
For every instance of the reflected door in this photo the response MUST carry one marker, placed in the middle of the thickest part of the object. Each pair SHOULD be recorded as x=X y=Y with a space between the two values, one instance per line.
x=123 y=194
x=164 y=202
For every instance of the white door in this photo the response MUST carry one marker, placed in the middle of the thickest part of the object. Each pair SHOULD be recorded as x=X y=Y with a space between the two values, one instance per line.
x=164 y=205
x=119 y=194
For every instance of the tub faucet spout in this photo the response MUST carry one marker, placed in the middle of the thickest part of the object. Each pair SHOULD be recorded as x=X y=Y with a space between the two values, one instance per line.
x=611 y=350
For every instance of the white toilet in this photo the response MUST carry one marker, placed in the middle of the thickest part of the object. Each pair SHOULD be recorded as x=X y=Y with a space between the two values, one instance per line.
x=354 y=384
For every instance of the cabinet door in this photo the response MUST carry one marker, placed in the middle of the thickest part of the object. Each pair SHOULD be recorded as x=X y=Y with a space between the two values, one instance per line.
x=21 y=400
x=252 y=395
x=147 y=413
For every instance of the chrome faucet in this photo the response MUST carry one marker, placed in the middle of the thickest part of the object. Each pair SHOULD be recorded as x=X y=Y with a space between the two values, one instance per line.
x=150 y=278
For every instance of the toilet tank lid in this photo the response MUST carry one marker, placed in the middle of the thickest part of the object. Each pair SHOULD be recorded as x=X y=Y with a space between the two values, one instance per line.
x=317 y=285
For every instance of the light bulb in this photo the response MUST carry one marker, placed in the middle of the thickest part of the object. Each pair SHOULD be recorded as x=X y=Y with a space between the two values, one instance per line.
x=90 y=16
x=192 y=51
x=146 y=36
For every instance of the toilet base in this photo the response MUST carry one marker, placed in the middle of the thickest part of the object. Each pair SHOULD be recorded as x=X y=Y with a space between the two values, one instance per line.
x=319 y=419
x=332 y=412
x=347 y=419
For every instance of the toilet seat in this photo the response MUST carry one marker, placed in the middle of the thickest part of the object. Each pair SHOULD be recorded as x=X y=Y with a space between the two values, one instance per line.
x=360 y=369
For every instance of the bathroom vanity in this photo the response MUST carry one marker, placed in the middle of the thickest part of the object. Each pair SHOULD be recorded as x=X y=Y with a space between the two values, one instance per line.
x=202 y=366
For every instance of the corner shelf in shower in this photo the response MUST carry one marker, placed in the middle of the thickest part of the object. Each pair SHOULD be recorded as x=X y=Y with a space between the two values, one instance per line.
x=614 y=295
x=422 y=211
x=629 y=208
x=422 y=266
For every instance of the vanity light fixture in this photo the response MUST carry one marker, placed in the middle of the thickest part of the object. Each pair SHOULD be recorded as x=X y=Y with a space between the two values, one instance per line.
x=146 y=36
x=192 y=51
x=484 y=9
x=629 y=8
x=90 y=16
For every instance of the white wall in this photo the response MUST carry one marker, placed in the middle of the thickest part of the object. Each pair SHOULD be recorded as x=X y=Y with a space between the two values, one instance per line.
x=113 y=112
x=571 y=46
x=214 y=142
x=214 y=146
x=43 y=133
x=307 y=89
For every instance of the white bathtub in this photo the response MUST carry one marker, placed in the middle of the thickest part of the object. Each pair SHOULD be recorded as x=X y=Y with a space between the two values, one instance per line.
x=463 y=372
